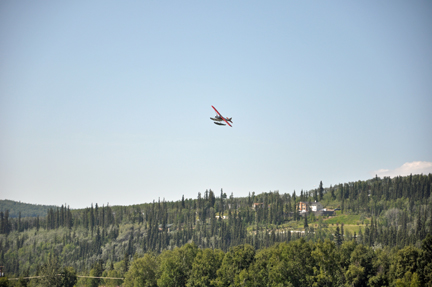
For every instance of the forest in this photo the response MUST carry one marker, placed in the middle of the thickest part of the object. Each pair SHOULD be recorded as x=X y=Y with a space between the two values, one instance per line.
x=380 y=235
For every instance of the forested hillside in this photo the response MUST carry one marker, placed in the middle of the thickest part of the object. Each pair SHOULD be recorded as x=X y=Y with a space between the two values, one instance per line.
x=377 y=218
x=17 y=209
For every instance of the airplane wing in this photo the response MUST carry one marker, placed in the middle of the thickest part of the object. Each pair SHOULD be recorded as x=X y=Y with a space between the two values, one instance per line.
x=221 y=116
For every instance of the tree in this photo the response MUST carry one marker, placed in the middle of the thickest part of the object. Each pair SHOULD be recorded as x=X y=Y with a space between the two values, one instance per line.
x=96 y=271
x=235 y=260
x=68 y=277
x=305 y=225
x=382 y=266
x=113 y=282
x=321 y=191
x=49 y=273
x=406 y=261
x=204 y=268
x=125 y=263
x=326 y=269
x=175 y=265
x=4 y=282
x=291 y=263
x=142 y=272
x=426 y=259
x=333 y=196
x=361 y=266
x=338 y=236
x=212 y=198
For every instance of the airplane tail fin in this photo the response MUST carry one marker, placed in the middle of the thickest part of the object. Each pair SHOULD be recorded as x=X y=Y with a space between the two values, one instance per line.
x=230 y=120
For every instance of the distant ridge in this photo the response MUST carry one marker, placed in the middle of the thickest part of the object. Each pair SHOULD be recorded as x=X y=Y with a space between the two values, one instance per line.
x=26 y=209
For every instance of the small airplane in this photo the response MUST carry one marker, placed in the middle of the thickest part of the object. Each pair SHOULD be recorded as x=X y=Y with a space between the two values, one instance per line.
x=218 y=118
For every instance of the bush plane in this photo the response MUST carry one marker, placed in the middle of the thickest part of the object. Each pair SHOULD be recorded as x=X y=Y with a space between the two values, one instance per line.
x=218 y=118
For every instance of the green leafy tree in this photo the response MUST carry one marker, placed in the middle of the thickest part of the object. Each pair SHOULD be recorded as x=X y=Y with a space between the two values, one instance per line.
x=142 y=272
x=258 y=271
x=68 y=277
x=361 y=266
x=96 y=271
x=426 y=262
x=381 y=266
x=291 y=263
x=175 y=266
x=113 y=282
x=204 y=268
x=234 y=261
x=326 y=267
x=49 y=271
x=406 y=260
x=125 y=263
x=409 y=280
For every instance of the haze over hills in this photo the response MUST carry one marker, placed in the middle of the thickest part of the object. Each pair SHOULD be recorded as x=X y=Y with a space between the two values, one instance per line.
x=26 y=209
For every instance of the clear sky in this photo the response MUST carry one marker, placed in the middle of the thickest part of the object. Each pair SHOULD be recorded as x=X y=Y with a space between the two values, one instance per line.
x=109 y=101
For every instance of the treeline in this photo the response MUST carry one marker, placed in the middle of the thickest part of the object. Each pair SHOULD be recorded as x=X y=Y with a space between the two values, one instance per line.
x=375 y=195
x=297 y=263
x=399 y=213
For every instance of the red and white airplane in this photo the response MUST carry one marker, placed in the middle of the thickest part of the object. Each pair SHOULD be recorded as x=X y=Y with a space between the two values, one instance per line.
x=218 y=118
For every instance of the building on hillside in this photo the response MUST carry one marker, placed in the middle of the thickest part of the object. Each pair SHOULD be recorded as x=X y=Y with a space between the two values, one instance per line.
x=316 y=206
x=303 y=206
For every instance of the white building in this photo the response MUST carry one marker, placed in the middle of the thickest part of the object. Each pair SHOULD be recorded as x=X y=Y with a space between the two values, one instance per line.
x=316 y=206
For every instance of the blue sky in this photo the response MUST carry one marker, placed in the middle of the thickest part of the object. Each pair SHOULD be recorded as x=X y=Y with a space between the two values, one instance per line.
x=109 y=101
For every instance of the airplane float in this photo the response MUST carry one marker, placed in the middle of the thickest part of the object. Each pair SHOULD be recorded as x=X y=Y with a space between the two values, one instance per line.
x=218 y=118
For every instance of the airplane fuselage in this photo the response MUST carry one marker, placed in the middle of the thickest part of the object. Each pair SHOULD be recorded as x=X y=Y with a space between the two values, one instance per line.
x=219 y=119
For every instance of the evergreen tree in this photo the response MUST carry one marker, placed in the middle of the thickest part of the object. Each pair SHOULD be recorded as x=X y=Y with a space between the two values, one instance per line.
x=338 y=237
x=321 y=191
x=305 y=225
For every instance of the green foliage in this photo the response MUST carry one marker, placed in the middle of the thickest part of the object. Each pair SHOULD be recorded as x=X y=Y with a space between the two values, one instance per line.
x=49 y=273
x=361 y=266
x=142 y=272
x=406 y=260
x=96 y=271
x=204 y=268
x=68 y=277
x=327 y=270
x=4 y=282
x=176 y=265
x=236 y=259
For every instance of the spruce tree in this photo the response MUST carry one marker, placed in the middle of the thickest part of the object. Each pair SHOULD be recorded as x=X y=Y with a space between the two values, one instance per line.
x=321 y=191
x=338 y=237
x=305 y=225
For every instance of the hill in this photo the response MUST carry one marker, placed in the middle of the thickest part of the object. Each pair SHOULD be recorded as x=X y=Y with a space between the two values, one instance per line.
x=26 y=209
x=378 y=214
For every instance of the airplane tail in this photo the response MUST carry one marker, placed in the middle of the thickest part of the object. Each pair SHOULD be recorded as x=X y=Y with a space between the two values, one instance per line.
x=230 y=120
